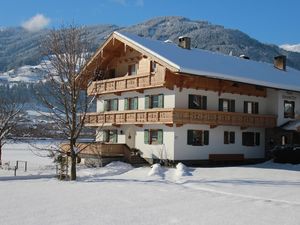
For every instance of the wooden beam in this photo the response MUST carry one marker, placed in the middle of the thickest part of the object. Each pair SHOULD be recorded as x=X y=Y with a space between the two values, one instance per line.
x=139 y=125
x=244 y=128
x=179 y=124
x=169 y=124
x=212 y=126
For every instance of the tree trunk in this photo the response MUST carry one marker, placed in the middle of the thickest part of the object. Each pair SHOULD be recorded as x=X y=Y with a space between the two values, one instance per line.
x=73 y=161
x=73 y=167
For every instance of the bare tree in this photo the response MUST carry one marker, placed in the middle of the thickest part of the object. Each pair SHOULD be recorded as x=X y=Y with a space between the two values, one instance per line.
x=66 y=51
x=10 y=115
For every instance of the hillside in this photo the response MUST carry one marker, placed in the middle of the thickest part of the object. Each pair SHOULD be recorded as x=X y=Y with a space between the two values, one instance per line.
x=19 y=47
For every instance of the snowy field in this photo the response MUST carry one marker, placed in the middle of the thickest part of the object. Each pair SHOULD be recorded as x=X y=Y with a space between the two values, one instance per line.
x=265 y=194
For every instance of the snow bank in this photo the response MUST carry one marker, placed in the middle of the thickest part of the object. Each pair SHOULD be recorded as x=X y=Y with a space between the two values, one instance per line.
x=181 y=170
x=156 y=170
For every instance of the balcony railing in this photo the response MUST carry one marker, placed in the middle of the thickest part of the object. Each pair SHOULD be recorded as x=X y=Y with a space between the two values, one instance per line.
x=127 y=83
x=180 y=117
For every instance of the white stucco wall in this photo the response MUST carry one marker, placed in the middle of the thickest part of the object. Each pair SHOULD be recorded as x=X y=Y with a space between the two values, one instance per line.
x=216 y=143
x=182 y=100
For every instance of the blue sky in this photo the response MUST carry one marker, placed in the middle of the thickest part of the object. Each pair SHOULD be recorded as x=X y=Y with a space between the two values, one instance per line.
x=270 y=21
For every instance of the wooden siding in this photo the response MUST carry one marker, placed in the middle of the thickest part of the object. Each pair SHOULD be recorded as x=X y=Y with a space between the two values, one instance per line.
x=180 y=117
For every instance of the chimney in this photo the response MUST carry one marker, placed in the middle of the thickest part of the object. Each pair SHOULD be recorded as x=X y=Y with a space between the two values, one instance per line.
x=184 y=42
x=280 y=62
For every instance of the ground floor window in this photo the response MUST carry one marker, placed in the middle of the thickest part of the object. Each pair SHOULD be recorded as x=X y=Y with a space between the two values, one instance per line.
x=229 y=137
x=198 y=137
x=250 y=138
x=110 y=136
x=153 y=136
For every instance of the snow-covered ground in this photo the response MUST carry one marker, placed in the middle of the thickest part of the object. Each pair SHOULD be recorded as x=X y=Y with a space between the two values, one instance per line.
x=265 y=194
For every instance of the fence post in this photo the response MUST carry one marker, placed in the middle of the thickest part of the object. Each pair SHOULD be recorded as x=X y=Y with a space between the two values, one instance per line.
x=15 y=171
x=25 y=166
x=17 y=164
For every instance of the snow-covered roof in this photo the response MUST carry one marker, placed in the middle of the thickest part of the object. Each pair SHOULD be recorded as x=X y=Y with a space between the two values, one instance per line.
x=217 y=65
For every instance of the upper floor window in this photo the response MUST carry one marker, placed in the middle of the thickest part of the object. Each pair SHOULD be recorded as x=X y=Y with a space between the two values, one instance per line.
x=131 y=103
x=226 y=105
x=111 y=105
x=197 y=102
x=250 y=138
x=154 y=101
x=112 y=73
x=152 y=66
x=229 y=137
x=250 y=107
x=197 y=137
x=289 y=109
x=153 y=136
x=132 y=69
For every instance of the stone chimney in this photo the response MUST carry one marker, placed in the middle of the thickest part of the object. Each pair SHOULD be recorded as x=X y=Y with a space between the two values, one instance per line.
x=280 y=62
x=184 y=42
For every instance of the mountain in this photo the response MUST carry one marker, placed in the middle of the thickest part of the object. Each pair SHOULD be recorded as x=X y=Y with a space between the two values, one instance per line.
x=19 y=47
x=291 y=48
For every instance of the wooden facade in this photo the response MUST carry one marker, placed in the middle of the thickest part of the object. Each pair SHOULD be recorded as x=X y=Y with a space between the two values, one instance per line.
x=180 y=117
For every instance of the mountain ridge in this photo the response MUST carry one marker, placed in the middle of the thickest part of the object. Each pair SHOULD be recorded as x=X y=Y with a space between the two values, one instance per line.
x=19 y=47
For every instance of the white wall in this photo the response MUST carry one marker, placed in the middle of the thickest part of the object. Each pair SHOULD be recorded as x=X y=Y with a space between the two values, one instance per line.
x=169 y=98
x=182 y=100
x=216 y=143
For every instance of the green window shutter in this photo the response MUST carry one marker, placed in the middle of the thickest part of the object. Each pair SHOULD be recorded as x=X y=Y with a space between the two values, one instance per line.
x=191 y=98
x=226 y=137
x=232 y=137
x=245 y=107
x=160 y=101
x=190 y=137
x=204 y=102
x=256 y=108
x=146 y=136
x=257 y=138
x=206 y=137
x=160 y=137
x=126 y=104
x=104 y=134
x=147 y=102
x=106 y=105
x=220 y=104
x=115 y=104
x=115 y=136
x=136 y=100
x=232 y=106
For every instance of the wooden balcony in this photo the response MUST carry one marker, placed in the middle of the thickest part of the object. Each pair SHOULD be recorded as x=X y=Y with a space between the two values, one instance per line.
x=180 y=117
x=98 y=148
x=127 y=83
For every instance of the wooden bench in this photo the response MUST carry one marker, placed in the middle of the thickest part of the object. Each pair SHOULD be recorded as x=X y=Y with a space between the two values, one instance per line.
x=226 y=157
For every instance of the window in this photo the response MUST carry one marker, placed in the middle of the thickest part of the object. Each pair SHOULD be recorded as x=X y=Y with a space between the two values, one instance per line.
x=226 y=105
x=131 y=103
x=197 y=102
x=132 y=69
x=251 y=107
x=153 y=137
x=198 y=137
x=111 y=105
x=250 y=138
x=154 y=101
x=110 y=136
x=152 y=66
x=289 y=109
x=229 y=137
x=112 y=73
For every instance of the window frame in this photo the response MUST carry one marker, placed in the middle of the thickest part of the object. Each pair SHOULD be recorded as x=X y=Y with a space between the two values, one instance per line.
x=202 y=139
x=230 y=105
x=253 y=139
x=202 y=101
x=253 y=109
x=132 y=72
x=149 y=135
x=229 y=137
x=286 y=114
